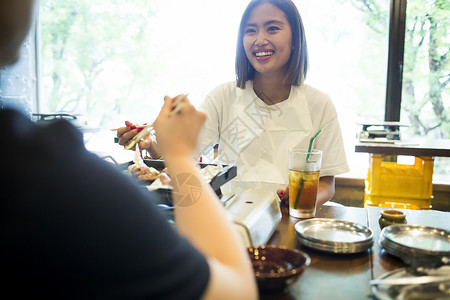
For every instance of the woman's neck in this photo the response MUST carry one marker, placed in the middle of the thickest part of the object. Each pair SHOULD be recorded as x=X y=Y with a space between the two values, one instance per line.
x=271 y=90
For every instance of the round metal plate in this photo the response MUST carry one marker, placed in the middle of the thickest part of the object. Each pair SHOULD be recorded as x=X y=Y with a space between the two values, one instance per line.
x=429 y=240
x=346 y=248
x=417 y=245
x=336 y=236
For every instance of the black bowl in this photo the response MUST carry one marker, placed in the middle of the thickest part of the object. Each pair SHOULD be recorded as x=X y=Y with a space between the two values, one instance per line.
x=277 y=267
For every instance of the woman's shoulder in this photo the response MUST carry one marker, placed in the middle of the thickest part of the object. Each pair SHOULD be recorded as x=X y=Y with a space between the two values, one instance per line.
x=316 y=97
x=314 y=94
x=226 y=88
x=317 y=100
x=226 y=92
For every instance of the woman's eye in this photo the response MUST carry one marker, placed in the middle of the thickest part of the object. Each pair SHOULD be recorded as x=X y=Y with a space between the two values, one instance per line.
x=273 y=28
x=249 y=30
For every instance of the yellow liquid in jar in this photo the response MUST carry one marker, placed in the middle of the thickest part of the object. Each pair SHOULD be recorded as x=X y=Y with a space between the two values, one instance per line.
x=306 y=183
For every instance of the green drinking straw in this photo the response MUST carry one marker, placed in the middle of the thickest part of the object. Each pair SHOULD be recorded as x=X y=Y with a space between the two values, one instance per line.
x=299 y=191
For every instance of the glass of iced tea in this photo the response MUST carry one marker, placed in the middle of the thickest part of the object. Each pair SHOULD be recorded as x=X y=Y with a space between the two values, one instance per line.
x=304 y=170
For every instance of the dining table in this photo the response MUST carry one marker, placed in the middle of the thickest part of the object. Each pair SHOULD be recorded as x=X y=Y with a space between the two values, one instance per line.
x=345 y=276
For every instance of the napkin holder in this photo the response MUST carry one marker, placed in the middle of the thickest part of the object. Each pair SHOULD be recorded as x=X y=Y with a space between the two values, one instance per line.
x=255 y=215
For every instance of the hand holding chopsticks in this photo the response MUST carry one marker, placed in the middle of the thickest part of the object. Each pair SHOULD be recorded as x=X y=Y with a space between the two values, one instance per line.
x=177 y=135
x=177 y=106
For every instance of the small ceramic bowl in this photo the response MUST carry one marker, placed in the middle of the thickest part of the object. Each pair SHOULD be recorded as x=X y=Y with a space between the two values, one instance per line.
x=277 y=267
x=390 y=217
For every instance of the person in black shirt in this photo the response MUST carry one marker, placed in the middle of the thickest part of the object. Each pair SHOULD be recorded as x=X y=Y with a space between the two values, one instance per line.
x=72 y=226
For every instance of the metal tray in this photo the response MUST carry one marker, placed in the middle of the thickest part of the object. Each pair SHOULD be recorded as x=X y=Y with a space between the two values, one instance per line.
x=228 y=172
x=347 y=248
x=332 y=235
x=418 y=238
x=417 y=245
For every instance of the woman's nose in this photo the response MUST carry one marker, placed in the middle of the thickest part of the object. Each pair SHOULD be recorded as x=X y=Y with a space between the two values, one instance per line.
x=261 y=39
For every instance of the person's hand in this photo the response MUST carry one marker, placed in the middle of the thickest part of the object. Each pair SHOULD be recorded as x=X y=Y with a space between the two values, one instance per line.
x=125 y=134
x=177 y=134
x=284 y=195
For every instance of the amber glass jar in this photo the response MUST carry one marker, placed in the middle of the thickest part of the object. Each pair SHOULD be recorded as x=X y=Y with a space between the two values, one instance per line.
x=390 y=217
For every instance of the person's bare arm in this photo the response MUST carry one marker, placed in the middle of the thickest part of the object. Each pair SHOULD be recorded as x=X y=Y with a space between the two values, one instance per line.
x=199 y=215
x=326 y=190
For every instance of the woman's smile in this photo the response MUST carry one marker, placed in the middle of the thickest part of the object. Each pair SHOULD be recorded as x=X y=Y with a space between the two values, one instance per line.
x=263 y=55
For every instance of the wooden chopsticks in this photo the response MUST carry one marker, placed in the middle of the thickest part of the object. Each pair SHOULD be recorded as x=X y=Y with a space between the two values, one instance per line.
x=137 y=127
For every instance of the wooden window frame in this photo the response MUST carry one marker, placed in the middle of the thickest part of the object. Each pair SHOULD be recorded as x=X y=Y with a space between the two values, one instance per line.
x=397 y=23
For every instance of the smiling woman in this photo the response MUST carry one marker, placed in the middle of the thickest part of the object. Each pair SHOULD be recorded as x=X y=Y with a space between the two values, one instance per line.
x=268 y=110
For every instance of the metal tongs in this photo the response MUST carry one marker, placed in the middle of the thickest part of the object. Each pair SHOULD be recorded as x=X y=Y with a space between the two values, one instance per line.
x=416 y=276
x=411 y=280
x=177 y=106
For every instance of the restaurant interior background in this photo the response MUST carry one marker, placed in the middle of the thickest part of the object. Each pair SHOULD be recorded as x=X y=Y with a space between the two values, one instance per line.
x=107 y=61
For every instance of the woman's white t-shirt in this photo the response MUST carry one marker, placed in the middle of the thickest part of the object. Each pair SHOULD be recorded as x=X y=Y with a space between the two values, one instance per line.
x=257 y=136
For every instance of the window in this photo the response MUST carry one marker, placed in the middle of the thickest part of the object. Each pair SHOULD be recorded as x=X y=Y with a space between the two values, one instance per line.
x=114 y=60
x=18 y=82
x=354 y=60
x=426 y=74
x=348 y=60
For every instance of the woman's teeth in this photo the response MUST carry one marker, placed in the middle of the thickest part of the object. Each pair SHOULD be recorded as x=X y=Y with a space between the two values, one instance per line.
x=260 y=54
